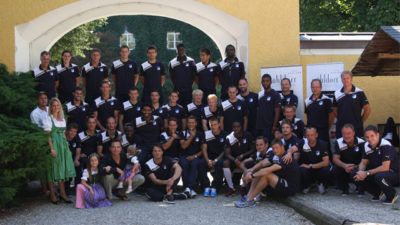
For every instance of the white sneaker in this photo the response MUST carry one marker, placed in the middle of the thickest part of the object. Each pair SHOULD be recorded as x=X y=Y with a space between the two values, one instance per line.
x=321 y=189
x=129 y=190
x=306 y=190
x=120 y=185
x=187 y=190
x=72 y=183
x=193 y=194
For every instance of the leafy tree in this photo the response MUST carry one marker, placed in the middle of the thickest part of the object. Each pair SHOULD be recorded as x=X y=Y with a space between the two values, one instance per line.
x=23 y=151
x=347 y=15
x=78 y=40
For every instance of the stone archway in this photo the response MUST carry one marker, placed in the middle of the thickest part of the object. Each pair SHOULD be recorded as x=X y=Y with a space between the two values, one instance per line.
x=41 y=33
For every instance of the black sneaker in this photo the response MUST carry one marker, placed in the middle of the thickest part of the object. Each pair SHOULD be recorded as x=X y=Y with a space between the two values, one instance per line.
x=391 y=201
x=345 y=192
x=375 y=198
x=169 y=199
x=360 y=193
x=181 y=196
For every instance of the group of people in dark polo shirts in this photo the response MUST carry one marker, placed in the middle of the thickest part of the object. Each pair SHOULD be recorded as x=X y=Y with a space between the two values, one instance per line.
x=252 y=142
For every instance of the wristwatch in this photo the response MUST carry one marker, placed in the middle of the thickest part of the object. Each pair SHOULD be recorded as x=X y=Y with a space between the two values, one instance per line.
x=368 y=173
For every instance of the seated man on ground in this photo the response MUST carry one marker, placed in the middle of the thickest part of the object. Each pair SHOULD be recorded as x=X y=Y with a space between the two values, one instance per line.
x=281 y=179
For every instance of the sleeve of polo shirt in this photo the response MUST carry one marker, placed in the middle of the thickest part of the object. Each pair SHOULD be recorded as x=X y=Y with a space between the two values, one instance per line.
x=56 y=75
x=93 y=106
x=337 y=150
x=162 y=139
x=277 y=100
x=169 y=162
x=135 y=68
x=99 y=139
x=78 y=142
x=363 y=99
x=329 y=105
x=113 y=71
x=324 y=149
x=162 y=69
x=388 y=153
x=141 y=71
x=146 y=170
x=83 y=72
x=295 y=100
x=334 y=102
x=105 y=72
x=245 y=109
x=242 y=70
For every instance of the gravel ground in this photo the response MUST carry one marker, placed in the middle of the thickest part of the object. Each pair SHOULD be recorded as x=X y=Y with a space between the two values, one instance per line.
x=352 y=207
x=138 y=210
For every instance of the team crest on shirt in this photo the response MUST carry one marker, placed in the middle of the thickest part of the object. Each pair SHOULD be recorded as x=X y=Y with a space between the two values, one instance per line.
x=237 y=65
x=317 y=153
x=72 y=70
x=244 y=141
x=187 y=64
x=356 y=149
x=288 y=100
x=101 y=69
x=74 y=145
x=111 y=103
x=84 y=109
x=160 y=110
x=239 y=107
x=165 y=167
x=221 y=140
x=197 y=139
x=154 y=123
x=211 y=70
x=269 y=98
x=158 y=68
x=138 y=108
x=51 y=73
x=320 y=103
x=354 y=96
x=176 y=110
x=251 y=100
x=295 y=127
x=130 y=66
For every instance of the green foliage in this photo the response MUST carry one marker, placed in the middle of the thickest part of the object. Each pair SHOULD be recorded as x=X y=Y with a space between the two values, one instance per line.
x=23 y=146
x=348 y=15
x=78 y=40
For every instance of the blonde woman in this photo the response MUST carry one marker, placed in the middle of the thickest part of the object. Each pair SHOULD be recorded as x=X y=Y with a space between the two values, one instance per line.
x=61 y=166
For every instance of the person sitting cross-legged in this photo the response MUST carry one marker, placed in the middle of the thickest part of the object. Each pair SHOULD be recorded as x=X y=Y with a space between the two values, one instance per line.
x=281 y=179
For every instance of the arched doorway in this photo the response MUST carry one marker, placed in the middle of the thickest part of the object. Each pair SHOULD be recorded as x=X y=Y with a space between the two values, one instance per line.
x=41 y=33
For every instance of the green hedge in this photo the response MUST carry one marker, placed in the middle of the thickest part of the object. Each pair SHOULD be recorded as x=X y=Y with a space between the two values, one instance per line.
x=23 y=146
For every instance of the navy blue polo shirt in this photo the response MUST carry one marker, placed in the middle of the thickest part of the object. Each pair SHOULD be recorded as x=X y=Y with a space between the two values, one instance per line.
x=196 y=111
x=259 y=156
x=251 y=101
x=131 y=111
x=206 y=113
x=349 y=108
x=74 y=144
x=318 y=111
x=105 y=139
x=312 y=155
x=384 y=152
x=206 y=76
x=290 y=172
x=77 y=114
x=162 y=171
x=94 y=76
x=239 y=145
x=267 y=102
x=176 y=111
x=293 y=140
x=105 y=108
x=290 y=99
x=46 y=80
x=124 y=76
x=349 y=154
x=195 y=144
x=175 y=149
x=88 y=142
x=215 y=143
x=231 y=72
x=182 y=73
x=160 y=112
x=298 y=127
x=152 y=73
x=67 y=81
x=233 y=112
x=148 y=133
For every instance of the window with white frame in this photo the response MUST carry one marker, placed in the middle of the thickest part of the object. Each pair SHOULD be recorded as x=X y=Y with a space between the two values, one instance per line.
x=173 y=39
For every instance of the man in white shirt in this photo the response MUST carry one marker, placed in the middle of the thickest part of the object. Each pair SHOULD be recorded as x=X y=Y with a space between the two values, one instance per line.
x=40 y=113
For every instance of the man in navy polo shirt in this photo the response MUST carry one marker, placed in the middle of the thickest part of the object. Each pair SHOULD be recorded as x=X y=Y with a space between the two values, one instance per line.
x=269 y=107
x=195 y=108
x=251 y=101
x=88 y=139
x=350 y=105
x=173 y=109
x=152 y=74
x=234 y=110
x=207 y=74
x=287 y=96
x=105 y=106
x=170 y=139
x=297 y=124
x=231 y=71
x=77 y=110
x=148 y=129
x=318 y=108
x=379 y=168
x=68 y=77
x=182 y=70
x=191 y=142
x=130 y=109
x=93 y=74
x=346 y=157
x=124 y=74
x=288 y=138
x=107 y=137
x=46 y=76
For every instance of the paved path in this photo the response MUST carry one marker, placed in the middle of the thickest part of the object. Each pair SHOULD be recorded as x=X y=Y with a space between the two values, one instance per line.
x=138 y=210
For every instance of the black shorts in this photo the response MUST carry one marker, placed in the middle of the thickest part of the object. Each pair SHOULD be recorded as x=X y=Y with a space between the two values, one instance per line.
x=282 y=189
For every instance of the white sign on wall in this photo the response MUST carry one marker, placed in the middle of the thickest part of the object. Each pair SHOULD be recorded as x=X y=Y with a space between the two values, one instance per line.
x=328 y=73
x=295 y=74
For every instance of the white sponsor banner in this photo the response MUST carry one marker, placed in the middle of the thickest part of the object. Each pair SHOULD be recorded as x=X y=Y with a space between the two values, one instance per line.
x=295 y=74
x=328 y=73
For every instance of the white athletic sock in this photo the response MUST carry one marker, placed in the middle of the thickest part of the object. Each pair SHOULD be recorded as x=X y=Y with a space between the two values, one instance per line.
x=228 y=177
